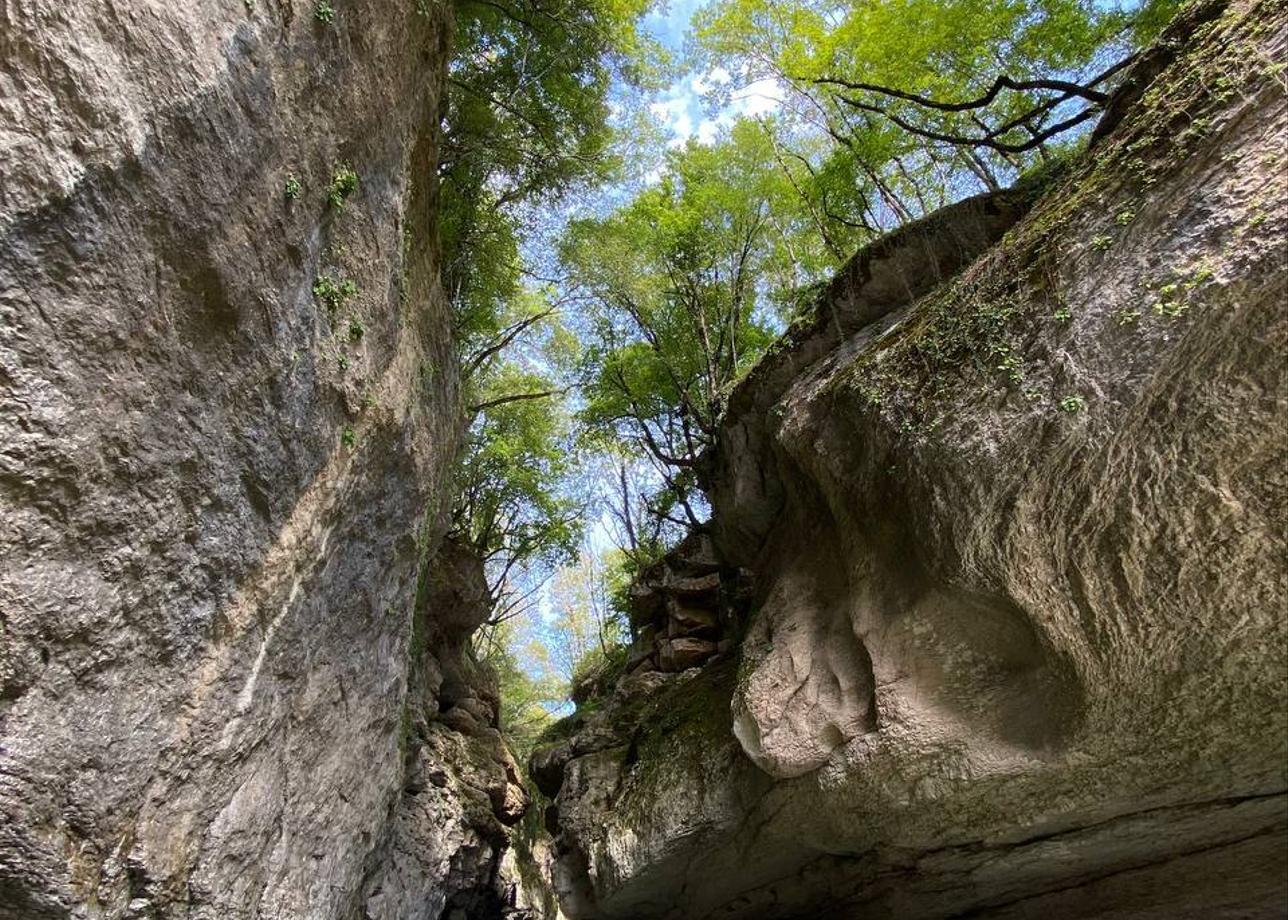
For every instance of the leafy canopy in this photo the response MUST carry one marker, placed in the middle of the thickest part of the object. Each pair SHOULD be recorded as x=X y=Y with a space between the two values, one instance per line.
x=527 y=122
x=513 y=507
x=862 y=74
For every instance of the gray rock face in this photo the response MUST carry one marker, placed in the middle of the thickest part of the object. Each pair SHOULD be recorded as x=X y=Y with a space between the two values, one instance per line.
x=1017 y=643
x=461 y=791
x=216 y=486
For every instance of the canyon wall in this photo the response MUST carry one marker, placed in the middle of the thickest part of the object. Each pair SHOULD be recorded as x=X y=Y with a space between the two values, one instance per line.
x=1013 y=502
x=228 y=414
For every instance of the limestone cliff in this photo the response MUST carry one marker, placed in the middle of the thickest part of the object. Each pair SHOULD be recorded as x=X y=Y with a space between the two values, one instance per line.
x=228 y=410
x=1014 y=502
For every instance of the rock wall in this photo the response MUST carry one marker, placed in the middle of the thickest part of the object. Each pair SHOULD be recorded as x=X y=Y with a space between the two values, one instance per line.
x=1014 y=499
x=228 y=411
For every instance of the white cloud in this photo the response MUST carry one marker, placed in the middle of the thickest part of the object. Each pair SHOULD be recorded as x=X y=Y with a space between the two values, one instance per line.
x=703 y=83
x=758 y=98
x=676 y=112
x=679 y=108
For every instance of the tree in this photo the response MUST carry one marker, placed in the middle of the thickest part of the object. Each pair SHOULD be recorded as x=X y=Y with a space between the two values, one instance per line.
x=514 y=505
x=526 y=123
x=585 y=627
x=530 y=694
x=684 y=286
x=927 y=98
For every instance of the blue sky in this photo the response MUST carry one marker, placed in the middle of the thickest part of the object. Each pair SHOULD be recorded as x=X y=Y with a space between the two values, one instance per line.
x=671 y=22
x=681 y=107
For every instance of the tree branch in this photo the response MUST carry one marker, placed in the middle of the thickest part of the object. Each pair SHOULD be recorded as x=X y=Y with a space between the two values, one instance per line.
x=1001 y=83
x=508 y=336
x=514 y=397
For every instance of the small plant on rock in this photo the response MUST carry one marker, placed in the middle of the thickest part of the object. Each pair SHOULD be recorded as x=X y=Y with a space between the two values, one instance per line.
x=293 y=188
x=324 y=12
x=1073 y=404
x=344 y=182
x=1170 y=303
x=1010 y=364
x=356 y=329
x=333 y=294
x=1101 y=242
x=1202 y=275
x=348 y=438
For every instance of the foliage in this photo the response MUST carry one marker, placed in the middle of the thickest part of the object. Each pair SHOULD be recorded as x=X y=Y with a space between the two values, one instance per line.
x=512 y=508
x=527 y=123
x=597 y=672
x=333 y=293
x=324 y=12
x=925 y=99
x=587 y=633
x=344 y=182
x=528 y=697
x=684 y=286
x=539 y=661
x=292 y=188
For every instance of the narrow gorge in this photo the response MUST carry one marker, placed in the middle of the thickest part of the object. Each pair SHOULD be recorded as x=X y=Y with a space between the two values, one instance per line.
x=989 y=616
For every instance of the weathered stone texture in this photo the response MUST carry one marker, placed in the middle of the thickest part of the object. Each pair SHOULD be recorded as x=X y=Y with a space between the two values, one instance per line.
x=215 y=492
x=1018 y=642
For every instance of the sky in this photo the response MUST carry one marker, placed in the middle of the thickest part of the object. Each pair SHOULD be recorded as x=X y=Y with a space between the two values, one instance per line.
x=681 y=108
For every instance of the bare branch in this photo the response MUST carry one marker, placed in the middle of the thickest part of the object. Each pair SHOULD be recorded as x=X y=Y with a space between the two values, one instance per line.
x=514 y=397
x=1001 y=83
x=508 y=336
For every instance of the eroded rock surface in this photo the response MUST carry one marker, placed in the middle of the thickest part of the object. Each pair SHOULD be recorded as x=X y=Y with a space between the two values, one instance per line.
x=228 y=411
x=1017 y=644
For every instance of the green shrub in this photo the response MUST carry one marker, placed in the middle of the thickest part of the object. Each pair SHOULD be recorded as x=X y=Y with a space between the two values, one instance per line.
x=597 y=672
